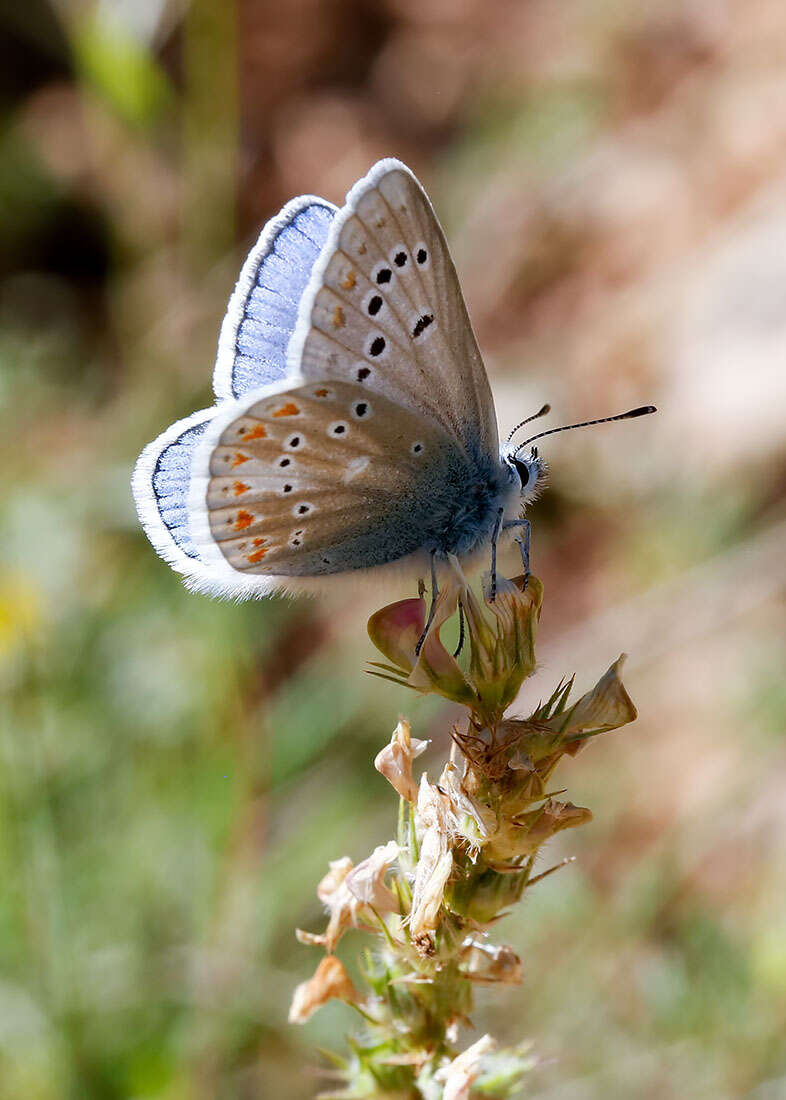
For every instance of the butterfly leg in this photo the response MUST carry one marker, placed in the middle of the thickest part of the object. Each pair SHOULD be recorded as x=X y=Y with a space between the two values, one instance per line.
x=494 y=537
x=523 y=543
x=433 y=607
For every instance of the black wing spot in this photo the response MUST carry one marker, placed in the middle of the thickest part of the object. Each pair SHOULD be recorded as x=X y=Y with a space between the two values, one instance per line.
x=422 y=324
x=384 y=275
x=400 y=259
x=377 y=346
x=288 y=488
x=363 y=373
x=284 y=462
x=422 y=255
x=375 y=305
x=360 y=408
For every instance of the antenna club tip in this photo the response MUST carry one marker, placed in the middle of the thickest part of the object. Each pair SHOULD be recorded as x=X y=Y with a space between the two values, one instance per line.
x=546 y=409
x=643 y=410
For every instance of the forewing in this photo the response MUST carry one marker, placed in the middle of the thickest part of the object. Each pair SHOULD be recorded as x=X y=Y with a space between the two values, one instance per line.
x=384 y=310
x=323 y=478
x=263 y=309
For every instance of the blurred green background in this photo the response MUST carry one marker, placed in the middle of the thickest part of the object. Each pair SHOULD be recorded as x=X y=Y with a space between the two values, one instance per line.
x=175 y=772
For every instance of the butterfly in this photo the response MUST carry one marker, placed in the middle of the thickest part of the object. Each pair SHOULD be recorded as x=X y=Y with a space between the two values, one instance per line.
x=354 y=425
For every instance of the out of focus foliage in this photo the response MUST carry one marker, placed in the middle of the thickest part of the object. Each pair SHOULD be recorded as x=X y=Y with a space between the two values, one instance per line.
x=175 y=772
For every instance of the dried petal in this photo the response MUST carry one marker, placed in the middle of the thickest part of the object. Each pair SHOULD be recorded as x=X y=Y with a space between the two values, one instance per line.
x=346 y=890
x=366 y=882
x=524 y=834
x=436 y=670
x=330 y=981
x=342 y=906
x=435 y=827
x=473 y=821
x=483 y=640
x=332 y=882
x=310 y=939
x=395 y=760
x=458 y=1076
x=607 y=707
x=517 y=611
x=396 y=629
x=483 y=962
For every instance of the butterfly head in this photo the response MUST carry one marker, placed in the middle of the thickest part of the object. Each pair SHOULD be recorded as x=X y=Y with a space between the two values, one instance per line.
x=529 y=470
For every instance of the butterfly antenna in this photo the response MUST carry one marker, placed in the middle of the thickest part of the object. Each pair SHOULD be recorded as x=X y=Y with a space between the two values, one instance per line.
x=644 y=410
x=540 y=412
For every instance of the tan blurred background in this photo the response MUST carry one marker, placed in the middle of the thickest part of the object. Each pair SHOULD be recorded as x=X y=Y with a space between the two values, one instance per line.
x=176 y=772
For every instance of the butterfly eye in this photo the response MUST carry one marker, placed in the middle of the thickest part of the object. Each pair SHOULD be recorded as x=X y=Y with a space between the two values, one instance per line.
x=522 y=469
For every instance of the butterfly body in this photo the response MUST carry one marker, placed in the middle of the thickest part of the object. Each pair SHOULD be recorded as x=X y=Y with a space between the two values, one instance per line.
x=354 y=428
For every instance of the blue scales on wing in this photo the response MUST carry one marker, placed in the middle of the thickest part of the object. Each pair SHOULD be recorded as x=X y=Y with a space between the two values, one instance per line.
x=263 y=309
x=251 y=352
x=170 y=479
x=160 y=485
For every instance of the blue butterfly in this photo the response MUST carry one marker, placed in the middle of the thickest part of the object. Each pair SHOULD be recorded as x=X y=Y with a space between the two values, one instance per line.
x=354 y=426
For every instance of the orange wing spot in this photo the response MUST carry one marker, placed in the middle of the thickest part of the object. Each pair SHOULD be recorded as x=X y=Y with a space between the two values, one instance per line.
x=258 y=555
x=257 y=432
x=290 y=409
x=338 y=317
x=244 y=519
x=240 y=487
x=349 y=280
x=321 y=393
x=239 y=459
x=259 y=541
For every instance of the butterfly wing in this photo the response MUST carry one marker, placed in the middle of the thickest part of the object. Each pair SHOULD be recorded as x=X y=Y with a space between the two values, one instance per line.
x=263 y=309
x=316 y=479
x=259 y=322
x=383 y=308
x=160 y=486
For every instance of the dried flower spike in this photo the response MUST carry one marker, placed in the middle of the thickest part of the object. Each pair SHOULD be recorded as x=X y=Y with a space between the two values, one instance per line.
x=465 y=852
